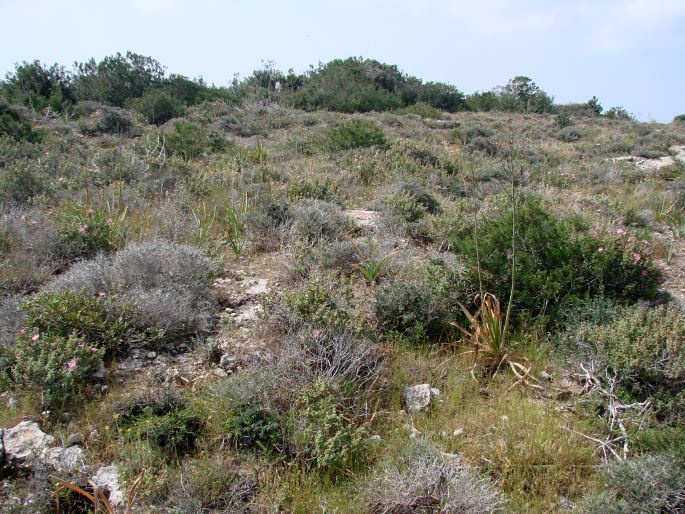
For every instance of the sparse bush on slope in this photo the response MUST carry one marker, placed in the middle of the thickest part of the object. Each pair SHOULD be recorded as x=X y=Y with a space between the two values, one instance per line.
x=424 y=479
x=167 y=285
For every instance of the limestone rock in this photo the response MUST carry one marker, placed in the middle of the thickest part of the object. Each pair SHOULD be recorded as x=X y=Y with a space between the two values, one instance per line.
x=417 y=398
x=107 y=477
x=26 y=440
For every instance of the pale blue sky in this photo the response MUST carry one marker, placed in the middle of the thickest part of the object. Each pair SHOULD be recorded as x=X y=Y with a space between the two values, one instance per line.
x=627 y=52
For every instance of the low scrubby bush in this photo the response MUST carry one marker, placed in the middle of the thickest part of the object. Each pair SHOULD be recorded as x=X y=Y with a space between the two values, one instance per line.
x=251 y=426
x=426 y=306
x=555 y=261
x=166 y=285
x=570 y=134
x=651 y=484
x=20 y=182
x=354 y=133
x=85 y=232
x=323 y=438
x=315 y=303
x=644 y=347
x=315 y=220
x=157 y=106
x=189 y=140
x=424 y=479
x=61 y=367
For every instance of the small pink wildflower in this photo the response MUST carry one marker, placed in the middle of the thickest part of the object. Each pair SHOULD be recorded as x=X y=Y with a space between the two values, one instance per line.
x=35 y=337
x=22 y=330
x=644 y=242
x=71 y=363
x=93 y=349
x=315 y=333
x=620 y=231
x=83 y=229
x=644 y=273
x=600 y=249
x=637 y=257
x=102 y=293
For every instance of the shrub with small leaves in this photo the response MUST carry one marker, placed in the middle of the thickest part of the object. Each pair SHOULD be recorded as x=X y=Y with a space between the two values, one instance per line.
x=355 y=133
x=61 y=367
x=325 y=439
x=314 y=220
x=86 y=231
x=424 y=479
x=315 y=302
x=651 y=484
x=251 y=426
x=174 y=433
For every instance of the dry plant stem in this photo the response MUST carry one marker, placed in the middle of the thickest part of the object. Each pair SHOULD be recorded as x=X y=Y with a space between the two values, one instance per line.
x=616 y=410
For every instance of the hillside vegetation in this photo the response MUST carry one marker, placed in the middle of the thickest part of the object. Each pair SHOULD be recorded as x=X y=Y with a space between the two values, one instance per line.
x=342 y=291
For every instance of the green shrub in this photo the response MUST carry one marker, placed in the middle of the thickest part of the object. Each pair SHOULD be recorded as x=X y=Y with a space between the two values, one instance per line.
x=315 y=303
x=174 y=433
x=189 y=140
x=422 y=197
x=663 y=439
x=157 y=106
x=355 y=133
x=60 y=366
x=20 y=182
x=308 y=189
x=13 y=126
x=424 y=308
x=564 y=120
x=86 y=232
x=324 y=438
x=679 y=119
x=352 y=85
x=554 y=262
x=251 y=426
x=111 y=120
x=90 y=318
x=315 y=220
x=405 y=206
x=442 y=96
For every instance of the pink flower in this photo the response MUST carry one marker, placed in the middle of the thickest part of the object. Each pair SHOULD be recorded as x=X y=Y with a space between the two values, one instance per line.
x=35 y=337
x=71 y=363
x=102 y=293
x=645 y=242
x=620 y=231
x=644 y=273
x=22 y=330
x=315 y=333
x=637 y=257
x=600 y=249
x=83 y=229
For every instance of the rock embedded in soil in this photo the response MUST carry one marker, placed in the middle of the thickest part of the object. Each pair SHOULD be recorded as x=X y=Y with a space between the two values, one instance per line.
x=418 y=397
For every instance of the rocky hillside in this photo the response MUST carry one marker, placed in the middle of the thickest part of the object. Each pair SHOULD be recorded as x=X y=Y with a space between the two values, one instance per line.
x=257 y=305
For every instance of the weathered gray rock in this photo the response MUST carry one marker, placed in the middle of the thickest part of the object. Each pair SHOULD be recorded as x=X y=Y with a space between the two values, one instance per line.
x=107 y=477
x=647 y=164
x=26 y=440
x=417 y=398
x=364 y=218
x=65 y=460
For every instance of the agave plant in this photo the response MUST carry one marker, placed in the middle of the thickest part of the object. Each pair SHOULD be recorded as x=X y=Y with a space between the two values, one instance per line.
x=488 y=337
x=371 y=266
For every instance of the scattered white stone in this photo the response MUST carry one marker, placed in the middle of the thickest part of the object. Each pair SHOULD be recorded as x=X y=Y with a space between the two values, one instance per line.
x=26 y=440
x=107 y=477
x=459 y=431
x=363 y=218
x=412 y=431
x=545 y=376
x=261 y=286
x=418 y=397
x=647 y=164
x=375 y=438
x=248 y=314
x=151 y=355
x=220 y=373
x=65 y=460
